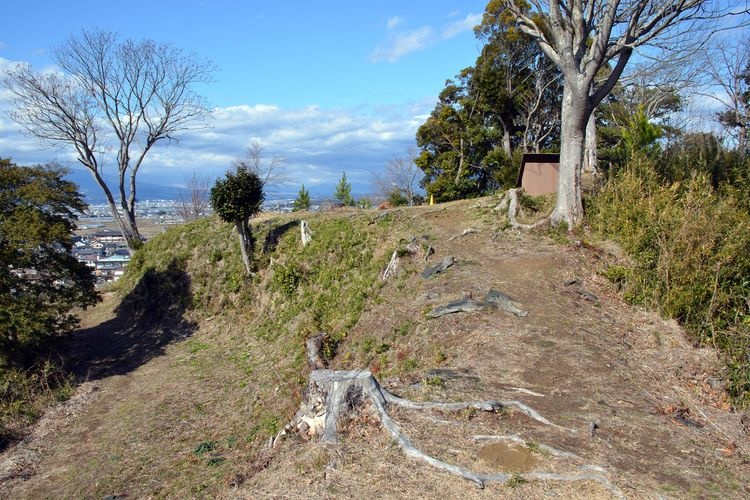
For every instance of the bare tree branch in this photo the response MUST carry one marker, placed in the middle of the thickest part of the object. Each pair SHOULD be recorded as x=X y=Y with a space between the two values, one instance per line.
x=271 y=172
x=135 y=94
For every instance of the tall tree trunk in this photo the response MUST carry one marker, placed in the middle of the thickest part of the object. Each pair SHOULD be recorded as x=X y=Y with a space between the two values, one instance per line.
x=506 y=142
x=575 y=114
x=127 y=227
x=589 y=157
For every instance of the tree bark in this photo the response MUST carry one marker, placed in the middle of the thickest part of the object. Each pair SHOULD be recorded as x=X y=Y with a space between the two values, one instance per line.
x=575 y=115
x=245 y=243
x=589 y=158
x=506 y=142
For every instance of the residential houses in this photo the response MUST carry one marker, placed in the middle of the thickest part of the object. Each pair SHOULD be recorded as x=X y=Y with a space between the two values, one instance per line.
x=105 y=252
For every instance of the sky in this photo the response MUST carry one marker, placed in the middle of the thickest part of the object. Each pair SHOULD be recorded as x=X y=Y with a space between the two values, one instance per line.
x=334 y=86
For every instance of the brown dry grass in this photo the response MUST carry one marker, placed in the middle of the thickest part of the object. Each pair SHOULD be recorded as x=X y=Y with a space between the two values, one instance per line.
x=139 y=432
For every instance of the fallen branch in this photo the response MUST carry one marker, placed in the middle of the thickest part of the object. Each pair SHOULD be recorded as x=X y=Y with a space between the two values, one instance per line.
x=492 y=300
x=392 y=266
x=432 y=271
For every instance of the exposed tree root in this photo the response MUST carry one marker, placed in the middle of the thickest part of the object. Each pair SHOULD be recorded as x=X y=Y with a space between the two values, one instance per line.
x=470 y=230
x=513 y=211
x=334 y=393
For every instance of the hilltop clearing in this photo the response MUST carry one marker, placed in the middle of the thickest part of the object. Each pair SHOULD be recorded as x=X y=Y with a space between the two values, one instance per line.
x=190 y=371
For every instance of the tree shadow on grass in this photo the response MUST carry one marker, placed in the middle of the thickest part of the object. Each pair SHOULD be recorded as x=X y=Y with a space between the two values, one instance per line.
x=275 y=234
x=148 y=319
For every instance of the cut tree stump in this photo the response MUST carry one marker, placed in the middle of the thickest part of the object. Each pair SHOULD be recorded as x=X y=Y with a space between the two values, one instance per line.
x=305 y=232
x=332 y=394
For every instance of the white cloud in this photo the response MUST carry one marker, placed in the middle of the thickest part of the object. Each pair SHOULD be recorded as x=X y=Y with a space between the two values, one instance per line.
x=390 y=24
x=457 y=27
x=319 y=144
x=401 y=43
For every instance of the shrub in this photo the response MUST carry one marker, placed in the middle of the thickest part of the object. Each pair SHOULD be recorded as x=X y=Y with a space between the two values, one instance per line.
x=691 y=248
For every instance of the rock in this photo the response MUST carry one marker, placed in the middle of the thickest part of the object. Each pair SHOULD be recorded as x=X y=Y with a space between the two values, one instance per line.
x=593 y=427
x=715 y=383
x=431 y=271
x=571 y=281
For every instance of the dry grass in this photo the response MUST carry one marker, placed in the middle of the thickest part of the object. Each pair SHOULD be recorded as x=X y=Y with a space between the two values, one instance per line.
x=193 y=419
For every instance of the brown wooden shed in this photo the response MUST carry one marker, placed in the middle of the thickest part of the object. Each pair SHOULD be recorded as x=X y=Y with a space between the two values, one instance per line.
x=539 y=173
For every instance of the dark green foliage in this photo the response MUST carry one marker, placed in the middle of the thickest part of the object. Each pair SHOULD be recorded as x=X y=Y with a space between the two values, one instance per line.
x=508 y=102
x=397 y=199
x=302 y=202
x=40 y=281
x=343 y=191
x=236 y=198
x=691 y=247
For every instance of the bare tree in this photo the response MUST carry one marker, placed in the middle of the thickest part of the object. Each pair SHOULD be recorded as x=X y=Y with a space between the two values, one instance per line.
x=272 y=172
x=401 y=174
x=581 y=37
x=111 y=99
x=539 y=105
x=195 y=199
x=727 y=67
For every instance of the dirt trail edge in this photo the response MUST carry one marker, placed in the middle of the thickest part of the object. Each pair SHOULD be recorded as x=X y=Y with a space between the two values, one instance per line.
x=624 y=401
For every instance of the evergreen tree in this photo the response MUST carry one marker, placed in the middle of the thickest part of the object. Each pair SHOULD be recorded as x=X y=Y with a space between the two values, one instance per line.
x=344 y=191
x=40 y=281
x=303 y=200
x=235 y=199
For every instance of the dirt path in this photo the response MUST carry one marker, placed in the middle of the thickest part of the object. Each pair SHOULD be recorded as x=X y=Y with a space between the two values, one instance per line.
x=627 y=384
x=630 y=395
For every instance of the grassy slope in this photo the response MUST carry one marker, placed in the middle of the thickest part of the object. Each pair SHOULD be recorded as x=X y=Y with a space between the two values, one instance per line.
x=191 y=416
x=243 y=355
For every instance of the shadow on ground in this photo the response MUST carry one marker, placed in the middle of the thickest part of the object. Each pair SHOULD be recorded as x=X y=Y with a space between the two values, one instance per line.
x=148 y=319
x=273 y=236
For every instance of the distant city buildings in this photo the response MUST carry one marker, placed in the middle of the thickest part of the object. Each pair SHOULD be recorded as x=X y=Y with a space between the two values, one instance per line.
x=104 y=250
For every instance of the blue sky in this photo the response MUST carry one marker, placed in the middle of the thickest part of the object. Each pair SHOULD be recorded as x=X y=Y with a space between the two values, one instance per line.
x=332 y=86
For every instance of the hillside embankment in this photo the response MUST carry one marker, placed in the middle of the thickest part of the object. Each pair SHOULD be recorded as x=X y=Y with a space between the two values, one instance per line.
x=189 y=369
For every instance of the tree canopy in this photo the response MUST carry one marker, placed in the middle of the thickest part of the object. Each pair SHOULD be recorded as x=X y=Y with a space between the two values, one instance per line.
x=302 y=202
x=507 y=101
x=40 y=281
x=235 y=199
x=343 y=191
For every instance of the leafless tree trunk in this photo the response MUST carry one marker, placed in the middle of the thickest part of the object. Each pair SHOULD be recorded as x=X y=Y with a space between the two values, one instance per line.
x=133 y=94
x=581 y=37
x=194 y=201
x=589 y=160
